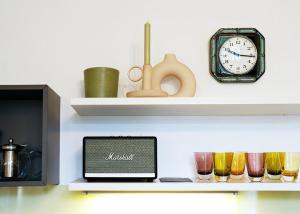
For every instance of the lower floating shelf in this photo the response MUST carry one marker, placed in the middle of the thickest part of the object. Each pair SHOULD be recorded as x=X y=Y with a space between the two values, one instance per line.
x=197 y=186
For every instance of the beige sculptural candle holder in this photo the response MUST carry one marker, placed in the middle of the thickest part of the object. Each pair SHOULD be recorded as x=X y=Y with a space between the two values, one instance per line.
x=170 y=66
x=152 y=77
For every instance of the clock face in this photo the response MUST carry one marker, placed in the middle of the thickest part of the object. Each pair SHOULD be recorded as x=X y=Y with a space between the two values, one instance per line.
x=238 y=55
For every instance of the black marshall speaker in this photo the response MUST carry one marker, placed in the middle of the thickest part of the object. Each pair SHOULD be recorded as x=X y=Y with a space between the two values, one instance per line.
x=119 y=158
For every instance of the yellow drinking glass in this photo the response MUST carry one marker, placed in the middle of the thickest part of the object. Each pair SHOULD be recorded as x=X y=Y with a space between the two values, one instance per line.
x=291 y=166
x=274 y=164
x=238 y=165
x=222 y=165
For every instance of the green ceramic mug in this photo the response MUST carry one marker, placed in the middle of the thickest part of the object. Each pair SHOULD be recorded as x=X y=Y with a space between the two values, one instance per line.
x=101 y=82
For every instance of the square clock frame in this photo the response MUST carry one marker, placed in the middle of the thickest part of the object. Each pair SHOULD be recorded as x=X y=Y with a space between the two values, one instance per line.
x=218 y=71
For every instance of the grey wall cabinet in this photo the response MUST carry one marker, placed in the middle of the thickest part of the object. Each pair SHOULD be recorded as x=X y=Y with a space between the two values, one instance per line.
x=30 y=114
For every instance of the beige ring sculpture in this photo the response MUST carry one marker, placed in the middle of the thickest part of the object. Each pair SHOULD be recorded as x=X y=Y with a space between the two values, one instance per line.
x=170 y=66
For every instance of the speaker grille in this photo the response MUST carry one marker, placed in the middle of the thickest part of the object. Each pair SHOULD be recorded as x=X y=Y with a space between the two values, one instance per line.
x=105 y=155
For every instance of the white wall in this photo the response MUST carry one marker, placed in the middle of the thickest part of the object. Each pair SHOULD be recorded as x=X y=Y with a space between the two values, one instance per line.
x=53 y=41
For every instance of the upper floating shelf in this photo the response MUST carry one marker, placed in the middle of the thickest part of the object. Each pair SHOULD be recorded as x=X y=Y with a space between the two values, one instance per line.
x=183 y=106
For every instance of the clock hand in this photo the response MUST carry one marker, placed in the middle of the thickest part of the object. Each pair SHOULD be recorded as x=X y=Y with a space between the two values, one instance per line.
x=236 y=54
x=246 y=55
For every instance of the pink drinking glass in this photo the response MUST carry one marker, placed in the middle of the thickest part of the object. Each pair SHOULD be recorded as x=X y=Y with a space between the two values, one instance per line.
x=256 y=166
x=204 y=164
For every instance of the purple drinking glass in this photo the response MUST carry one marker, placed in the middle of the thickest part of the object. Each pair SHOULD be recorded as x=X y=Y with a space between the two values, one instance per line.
x=256 y=166
x=204 y=164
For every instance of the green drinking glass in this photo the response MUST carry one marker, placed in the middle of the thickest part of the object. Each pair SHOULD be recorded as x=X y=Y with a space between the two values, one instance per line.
x=274 y=164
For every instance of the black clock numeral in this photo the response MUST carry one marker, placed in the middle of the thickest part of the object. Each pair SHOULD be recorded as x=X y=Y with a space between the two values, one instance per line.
x=248 y=48
x=244 y=43
x=244 y=66
x=225 y=55
x=238 y=42
x=226 y=49
x=226 y=61
x=230 y=66
x=230 y=44
x=249 y=61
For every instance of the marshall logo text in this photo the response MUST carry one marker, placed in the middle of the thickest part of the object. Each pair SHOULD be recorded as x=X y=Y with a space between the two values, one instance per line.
x=115 y=157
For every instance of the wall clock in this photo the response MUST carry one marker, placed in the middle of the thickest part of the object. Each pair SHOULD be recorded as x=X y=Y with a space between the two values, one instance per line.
x=237 y=55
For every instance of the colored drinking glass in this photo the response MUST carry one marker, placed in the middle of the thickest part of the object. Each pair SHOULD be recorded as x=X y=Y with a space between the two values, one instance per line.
x=274 y=164
x=222 y=165
x=255 y=166
x=238 y=165
x=204 y=163
x=291 y=166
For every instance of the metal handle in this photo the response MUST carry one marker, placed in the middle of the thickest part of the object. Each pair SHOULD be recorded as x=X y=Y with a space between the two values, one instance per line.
x=133 y=68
